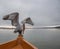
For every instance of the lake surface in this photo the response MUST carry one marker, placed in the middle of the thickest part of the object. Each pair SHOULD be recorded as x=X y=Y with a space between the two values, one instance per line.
x=41 y=38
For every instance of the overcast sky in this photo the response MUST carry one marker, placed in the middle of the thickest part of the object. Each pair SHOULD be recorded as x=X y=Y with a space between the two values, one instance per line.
x=42 y=12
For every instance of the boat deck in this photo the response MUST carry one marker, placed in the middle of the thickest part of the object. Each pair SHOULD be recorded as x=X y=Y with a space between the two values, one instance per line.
x=19 y=43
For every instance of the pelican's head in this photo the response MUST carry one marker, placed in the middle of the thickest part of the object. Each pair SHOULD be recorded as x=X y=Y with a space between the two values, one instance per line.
x=28 y=21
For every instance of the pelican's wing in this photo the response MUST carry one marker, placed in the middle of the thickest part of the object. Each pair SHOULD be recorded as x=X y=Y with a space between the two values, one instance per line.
x=14 y=17
x=28 y=21
x=31 y=27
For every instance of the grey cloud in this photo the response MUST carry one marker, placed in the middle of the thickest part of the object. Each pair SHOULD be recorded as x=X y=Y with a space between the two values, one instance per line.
x=44 y=11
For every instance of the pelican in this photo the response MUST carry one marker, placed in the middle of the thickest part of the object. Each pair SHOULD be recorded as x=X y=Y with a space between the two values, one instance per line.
x=14 y=18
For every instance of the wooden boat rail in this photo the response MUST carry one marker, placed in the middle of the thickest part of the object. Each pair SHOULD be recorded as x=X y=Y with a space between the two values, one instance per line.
x=19 y=43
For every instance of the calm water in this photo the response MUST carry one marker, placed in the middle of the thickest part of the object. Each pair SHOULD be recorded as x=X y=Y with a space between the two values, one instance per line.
x=43 y=39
